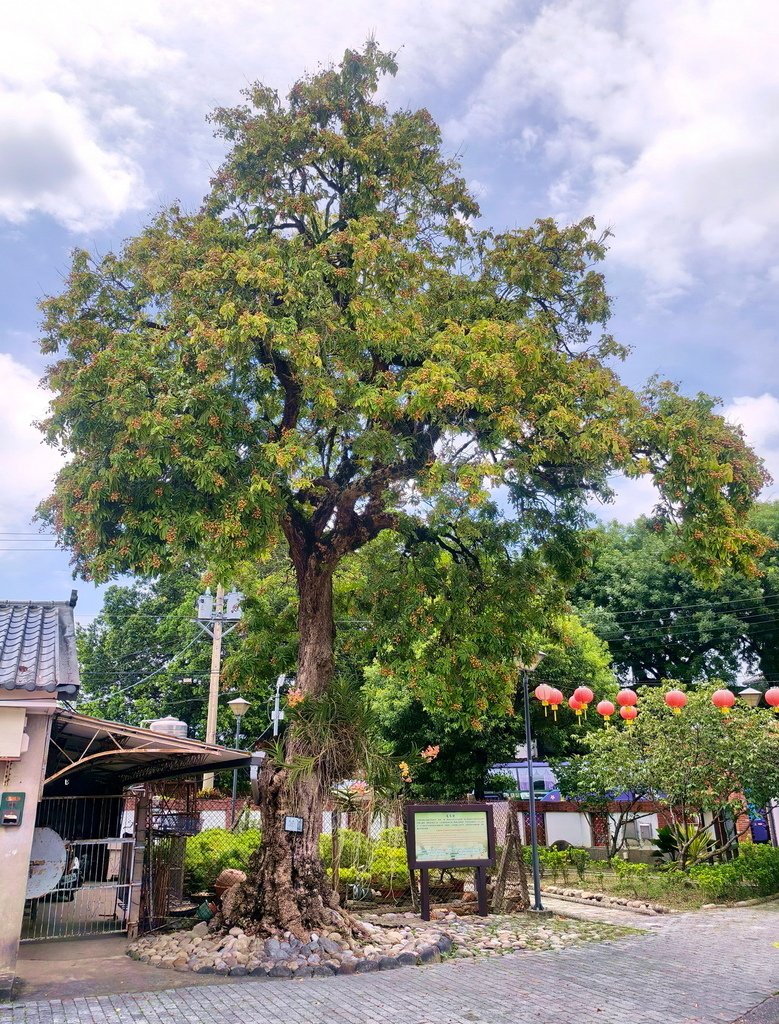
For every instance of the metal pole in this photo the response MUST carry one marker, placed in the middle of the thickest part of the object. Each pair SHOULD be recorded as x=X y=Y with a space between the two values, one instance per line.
x=213 y=683
x=537 y=905
x=277 y=704
x=235 y=773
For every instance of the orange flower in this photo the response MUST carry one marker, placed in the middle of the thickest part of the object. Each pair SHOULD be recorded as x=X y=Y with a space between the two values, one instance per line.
x=430 y=753
x=295 y=697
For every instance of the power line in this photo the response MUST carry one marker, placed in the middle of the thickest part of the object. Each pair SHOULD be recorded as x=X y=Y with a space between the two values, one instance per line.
x=156 y=672
x=10 y=551
x=673 y=632
x=719 y=606
x=27 y=533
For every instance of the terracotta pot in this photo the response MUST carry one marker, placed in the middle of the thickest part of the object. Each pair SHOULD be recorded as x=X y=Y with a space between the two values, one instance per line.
x=226 y=879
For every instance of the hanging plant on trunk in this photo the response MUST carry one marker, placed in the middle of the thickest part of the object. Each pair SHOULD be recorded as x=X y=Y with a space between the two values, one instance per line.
x=330 y=348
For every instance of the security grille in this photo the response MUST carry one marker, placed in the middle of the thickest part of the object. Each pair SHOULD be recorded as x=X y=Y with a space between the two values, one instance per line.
x=93 y=893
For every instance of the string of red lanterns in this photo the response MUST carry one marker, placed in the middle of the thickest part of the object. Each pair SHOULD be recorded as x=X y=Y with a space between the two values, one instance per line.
x=627 y=699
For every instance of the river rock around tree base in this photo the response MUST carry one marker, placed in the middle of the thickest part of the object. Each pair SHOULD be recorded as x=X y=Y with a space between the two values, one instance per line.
x=392 y=940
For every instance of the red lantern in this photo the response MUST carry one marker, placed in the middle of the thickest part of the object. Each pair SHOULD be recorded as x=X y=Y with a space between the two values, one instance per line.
x=676 y=700
x=577 y=707
x=626 y=698
x=605 y=708
x=724 y=700
x=555 y=699
x=772 y=698
x=542 y=692
x=628 y=713
x=583 y=694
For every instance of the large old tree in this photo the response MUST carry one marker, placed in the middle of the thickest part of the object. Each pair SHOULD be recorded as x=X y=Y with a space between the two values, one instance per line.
x=328 y=349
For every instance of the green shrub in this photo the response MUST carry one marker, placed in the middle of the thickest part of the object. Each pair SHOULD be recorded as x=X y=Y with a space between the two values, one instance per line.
x=555 y=863
x=394 y=836
x=356 y=848
x=389 y=868
x=632 y=879
x=580 y=859
x=754 y=873
x=209 y=852
x=671 y=838
x=354 y=876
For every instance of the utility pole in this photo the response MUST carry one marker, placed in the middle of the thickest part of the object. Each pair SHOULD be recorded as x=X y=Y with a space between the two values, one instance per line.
x=213 y=685
x=213 y=611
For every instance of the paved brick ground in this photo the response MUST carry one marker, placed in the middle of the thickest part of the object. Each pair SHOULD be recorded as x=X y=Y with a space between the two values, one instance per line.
x=705 y=968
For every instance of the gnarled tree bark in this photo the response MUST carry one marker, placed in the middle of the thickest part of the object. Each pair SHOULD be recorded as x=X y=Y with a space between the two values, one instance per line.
x=287 y=887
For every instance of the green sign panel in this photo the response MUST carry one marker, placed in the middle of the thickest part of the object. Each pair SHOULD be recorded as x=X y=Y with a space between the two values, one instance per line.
x=451 y=836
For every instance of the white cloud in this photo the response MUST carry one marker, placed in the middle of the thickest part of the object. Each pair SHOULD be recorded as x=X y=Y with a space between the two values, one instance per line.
x=632 y=498
x=53 y=164
x=27 y=466
x=662 y=114
x=101 y=101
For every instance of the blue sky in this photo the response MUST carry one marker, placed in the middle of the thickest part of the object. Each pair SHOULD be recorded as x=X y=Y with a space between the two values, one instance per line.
x=658 y=118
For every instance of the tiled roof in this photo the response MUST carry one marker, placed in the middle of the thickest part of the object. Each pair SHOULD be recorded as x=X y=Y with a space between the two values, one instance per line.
x=38 y=647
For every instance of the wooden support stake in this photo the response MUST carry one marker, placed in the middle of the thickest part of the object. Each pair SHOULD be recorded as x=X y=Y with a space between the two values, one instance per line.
x=481 y=891
x=424 y=874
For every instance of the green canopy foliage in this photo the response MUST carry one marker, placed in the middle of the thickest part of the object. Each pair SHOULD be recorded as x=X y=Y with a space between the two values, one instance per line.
x=662 y=623
x=329 y=330
x=331 y=347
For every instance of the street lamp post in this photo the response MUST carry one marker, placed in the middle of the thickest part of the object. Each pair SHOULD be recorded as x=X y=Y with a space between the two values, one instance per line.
x=239 y=707
x=526 y=669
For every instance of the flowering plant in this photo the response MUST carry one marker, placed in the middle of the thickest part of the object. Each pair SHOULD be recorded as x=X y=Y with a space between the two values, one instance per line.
x=430 y=753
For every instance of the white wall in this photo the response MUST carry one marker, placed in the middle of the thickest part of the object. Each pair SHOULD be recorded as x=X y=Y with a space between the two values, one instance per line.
x=571 y=826
x=24 y=775
x=213 y=819
x=640 y=819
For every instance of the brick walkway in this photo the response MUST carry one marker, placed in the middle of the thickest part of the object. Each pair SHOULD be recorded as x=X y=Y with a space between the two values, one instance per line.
x=703 y=968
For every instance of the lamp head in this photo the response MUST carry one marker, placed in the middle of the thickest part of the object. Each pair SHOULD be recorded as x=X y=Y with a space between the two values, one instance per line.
x=751 y=696
x=532 y=663
x=238 y=706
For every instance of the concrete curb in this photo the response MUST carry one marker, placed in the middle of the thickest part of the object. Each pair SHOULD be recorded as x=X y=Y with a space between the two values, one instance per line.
x=766 y=1012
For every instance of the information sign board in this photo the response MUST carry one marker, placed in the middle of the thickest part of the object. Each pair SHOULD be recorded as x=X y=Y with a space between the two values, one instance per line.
x=447 y=835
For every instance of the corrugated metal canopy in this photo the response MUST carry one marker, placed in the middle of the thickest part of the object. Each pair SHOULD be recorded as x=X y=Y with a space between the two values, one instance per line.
x=38 y=647
x=88 y=755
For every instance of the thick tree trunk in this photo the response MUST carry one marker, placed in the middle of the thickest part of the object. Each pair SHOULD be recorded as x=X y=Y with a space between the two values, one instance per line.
x=287 y=888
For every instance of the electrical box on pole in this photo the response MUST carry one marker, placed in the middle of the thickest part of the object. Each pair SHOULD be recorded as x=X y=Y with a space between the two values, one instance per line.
x=205 y=606
x=233 y=601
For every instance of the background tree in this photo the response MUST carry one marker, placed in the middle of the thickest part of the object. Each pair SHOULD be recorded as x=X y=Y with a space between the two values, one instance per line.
x=329 y=349
x=143 y=657
x=691 y=763
x=662 y=623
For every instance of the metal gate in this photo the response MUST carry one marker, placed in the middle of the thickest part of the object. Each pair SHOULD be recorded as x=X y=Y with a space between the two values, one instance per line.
x=95 y=891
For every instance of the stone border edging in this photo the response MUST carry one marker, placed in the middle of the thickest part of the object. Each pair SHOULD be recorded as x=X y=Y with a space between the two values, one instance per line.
x=741 y=903
x=610 y=903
